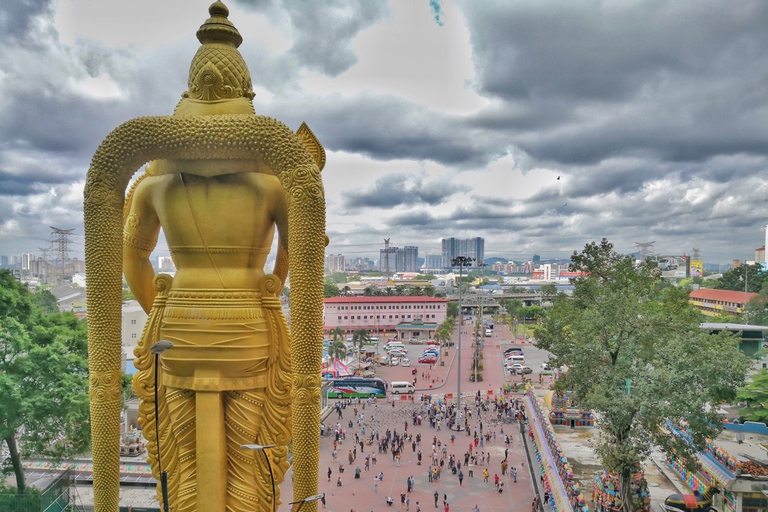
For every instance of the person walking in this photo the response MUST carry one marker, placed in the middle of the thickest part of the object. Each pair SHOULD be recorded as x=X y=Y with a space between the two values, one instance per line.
x=330 y=472
x=376 y=484
x=485 y=475
x=513 y=474
x=407 y=503
x=437 y=498
x=461 y=478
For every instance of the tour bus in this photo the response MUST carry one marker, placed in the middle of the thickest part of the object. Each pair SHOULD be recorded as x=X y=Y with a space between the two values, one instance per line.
x=351 y=387
x=399 y=387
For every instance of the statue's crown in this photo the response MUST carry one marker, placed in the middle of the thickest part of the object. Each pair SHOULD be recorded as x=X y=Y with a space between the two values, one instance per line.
x=218 y=71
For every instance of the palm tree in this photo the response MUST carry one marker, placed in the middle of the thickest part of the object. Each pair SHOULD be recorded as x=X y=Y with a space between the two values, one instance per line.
x=359 y=338
x=337 y=334
x=337 y=350
x=346 y=291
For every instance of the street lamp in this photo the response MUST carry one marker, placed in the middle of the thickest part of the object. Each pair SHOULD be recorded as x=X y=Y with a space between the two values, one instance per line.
x=308 y=499
x=158 y=348
x=461 y=262
x=263 y=449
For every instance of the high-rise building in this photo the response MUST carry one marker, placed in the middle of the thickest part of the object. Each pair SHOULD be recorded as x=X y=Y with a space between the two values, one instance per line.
x=335 y=263
x=400 y=259
x=470 y=247
x=410 y=258
x=27 y=259
x=433 y=261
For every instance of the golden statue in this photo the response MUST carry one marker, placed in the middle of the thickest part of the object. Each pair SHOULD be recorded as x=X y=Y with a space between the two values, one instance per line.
x=220 y=182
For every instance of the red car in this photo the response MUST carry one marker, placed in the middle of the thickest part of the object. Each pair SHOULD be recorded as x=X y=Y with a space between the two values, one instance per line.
x=428 y=359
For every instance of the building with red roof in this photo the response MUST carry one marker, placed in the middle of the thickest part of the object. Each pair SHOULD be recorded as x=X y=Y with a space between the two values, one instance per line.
x=417 y=316
x=718 y=302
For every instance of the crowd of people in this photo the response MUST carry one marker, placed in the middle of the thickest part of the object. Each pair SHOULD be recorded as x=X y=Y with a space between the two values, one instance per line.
x=463 y=454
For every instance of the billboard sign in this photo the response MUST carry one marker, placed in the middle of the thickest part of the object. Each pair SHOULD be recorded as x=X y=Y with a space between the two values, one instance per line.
x=697 y=268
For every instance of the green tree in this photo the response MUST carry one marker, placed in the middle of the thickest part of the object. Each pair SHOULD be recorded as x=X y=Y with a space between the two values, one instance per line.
x=43 y=380
x=368 y=291
x=337 y=350
x=548 y=291
x=45 y=302
x=532 y=313
x=346 y=291
x=337 y=334
x=637 y=357
x=429 y=290
x=733 y=279
x=452 y=310
x=330 y=290
x=755 y=395
x=336 y=278
x=360 y=337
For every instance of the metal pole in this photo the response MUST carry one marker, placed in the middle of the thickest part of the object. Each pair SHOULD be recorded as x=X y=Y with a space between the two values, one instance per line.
x=458 y=347
x=461 y=262
x=746 y=277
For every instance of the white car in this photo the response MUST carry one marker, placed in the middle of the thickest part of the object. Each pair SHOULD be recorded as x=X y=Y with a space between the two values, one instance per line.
x=405 y=362
x=394 y=361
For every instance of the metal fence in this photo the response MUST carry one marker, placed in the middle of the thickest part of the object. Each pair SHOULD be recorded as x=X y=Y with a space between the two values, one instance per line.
x=55 y=498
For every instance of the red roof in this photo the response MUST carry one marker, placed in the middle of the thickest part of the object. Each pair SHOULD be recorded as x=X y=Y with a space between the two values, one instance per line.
x=382 y=299
x=723 y=295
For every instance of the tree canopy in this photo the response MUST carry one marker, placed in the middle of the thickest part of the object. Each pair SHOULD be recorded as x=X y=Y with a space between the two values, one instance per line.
x=43 y=379
x=637 y=358
x=733 y=279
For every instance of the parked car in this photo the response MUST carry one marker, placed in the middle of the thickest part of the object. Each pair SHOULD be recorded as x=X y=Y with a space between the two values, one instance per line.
x=519 y=368
x=405 y=362
x=428 y=359
x=512 y=350
x=432 y=342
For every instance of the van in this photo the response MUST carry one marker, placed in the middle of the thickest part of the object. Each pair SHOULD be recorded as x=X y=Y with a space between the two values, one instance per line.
x=400 y=387
x=515 y=358
x=488 y=333
x=394 y=344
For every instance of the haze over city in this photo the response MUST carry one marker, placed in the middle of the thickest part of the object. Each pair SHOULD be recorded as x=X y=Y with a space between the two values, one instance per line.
x=539 y=125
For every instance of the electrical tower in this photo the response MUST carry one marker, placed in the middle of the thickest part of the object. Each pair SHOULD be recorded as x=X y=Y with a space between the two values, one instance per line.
x=645 y=248
x=386 y=260
x=60 y=244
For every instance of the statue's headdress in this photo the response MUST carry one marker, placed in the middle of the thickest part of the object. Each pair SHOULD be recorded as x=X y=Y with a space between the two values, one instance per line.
x=218 y=71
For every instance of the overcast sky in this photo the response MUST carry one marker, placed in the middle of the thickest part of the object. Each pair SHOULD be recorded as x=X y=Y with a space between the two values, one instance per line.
x=539 y=125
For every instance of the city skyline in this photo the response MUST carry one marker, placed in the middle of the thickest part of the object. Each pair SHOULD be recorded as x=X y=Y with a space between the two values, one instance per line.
x=539 y=126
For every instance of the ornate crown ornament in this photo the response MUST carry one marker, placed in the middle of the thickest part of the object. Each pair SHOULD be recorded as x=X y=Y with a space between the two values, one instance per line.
x=218 y=71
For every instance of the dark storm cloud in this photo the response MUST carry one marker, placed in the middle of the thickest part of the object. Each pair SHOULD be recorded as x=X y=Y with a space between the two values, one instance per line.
x=683 y=80
x=324 y=30
x=388 y=128
x=16 y=16
x=399 y=189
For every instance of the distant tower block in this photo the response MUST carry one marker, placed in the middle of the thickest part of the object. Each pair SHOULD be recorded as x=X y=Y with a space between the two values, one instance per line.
x=696 y=254
x=645 y=248
x=386 y=260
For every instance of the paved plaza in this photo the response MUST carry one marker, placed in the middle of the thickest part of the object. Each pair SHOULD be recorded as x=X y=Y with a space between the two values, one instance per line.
x=368 y=493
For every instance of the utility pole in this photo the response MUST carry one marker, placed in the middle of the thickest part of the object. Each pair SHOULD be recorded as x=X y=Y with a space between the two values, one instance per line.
x=461 y=262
